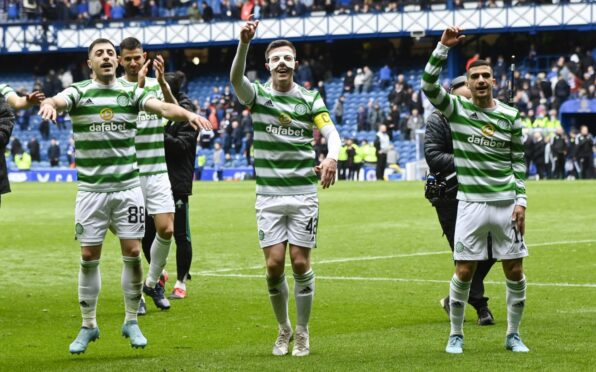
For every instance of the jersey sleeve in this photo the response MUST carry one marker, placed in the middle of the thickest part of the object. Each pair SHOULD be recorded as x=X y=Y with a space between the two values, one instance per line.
x=6 y=90
x=71 y=96
x=140 y=96
x=436 y=94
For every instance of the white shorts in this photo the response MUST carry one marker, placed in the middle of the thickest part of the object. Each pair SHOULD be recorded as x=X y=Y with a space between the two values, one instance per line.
x=158 y=194
x=289 y=217
x=123 y=212
x=475 y=220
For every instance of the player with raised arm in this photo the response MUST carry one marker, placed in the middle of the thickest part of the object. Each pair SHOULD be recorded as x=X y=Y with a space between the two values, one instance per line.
x=153 y=172
x=284 y=118
x=490 y=167
x=20 y=102
x=104 y=114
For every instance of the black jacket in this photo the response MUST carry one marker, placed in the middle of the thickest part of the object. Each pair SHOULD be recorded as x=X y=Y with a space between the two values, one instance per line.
x=560 y=145
x=180 y=141
x=438 y=145
x=583 y=146
x=438 y=150
x=6 y=124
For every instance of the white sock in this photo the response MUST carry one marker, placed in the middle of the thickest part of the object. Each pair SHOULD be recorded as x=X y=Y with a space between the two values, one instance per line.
x=132 y=283
x=516 y=301
x=160 y=249
x=304 y=293
x=89 y=287
x=278 y=295
x=459 y=292
x=181 y=285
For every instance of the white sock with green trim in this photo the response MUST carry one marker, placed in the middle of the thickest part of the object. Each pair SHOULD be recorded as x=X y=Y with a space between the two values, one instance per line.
x=160 y=249
x=304 y=293
x=132 y=284
x=89 y=287
x=516 y=302
x=459 y=291
x=278 y=295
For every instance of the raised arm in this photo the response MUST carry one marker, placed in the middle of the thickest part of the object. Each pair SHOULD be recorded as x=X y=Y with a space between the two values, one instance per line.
x=242 y=86
x=437 y=95
x=159 y=67
x=176 y=113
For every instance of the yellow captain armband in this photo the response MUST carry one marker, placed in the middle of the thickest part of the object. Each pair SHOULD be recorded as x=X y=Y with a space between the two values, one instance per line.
x=322 y=119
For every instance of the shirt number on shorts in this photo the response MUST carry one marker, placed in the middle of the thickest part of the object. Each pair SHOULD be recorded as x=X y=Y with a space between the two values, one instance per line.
x=311 y=226
x=136 y=214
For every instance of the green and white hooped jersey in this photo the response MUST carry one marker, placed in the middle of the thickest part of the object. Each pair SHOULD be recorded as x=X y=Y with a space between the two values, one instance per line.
x=6 y=90
x=151 y=156
x=283 y=132
x=487 y=142
x=104 y=121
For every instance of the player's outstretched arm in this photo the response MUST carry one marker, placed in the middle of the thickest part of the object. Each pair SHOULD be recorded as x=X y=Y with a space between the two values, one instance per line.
x=176 y=113
x=431 y=87
x=49 y=107
x=25 y=102
x=242 y=86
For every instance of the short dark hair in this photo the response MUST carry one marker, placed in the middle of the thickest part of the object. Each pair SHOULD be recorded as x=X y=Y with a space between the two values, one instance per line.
x=480 y=62
x=130 y=43
x=99 y=41
x=176 y=81
x=276 y=44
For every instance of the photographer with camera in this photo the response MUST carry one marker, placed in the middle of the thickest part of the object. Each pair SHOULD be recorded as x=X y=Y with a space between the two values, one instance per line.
x=441 y=191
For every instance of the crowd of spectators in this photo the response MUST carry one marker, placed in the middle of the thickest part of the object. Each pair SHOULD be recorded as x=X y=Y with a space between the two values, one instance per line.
x=209 y=10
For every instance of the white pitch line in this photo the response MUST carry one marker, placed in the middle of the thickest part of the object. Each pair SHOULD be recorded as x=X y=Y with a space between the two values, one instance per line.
x=372 y=258
x=402 y=280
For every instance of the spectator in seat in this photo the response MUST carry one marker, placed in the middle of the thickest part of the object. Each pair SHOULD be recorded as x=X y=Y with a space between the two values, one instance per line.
x=358 y=81
x=34 y=151
x=361 y=117
x=54 y=153
x=385 y=77
x=561 y=93
x=367 y=81
x=207 y=12
x=338 y=110
x=415 y=122
x=349 y=82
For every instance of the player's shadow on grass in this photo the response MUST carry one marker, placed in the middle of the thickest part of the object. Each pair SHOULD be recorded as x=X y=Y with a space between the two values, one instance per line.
x=107 y=359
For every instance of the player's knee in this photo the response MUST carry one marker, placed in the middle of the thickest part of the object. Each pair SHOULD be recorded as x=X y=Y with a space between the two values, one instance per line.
x=464 y=272
x=300 y=265
x=87 y=255
x=129 y=249
x=514 y=272
x=166 y=232
x=275 y=266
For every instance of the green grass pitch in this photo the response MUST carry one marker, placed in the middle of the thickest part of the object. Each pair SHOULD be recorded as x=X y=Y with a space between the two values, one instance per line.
x=382 y=266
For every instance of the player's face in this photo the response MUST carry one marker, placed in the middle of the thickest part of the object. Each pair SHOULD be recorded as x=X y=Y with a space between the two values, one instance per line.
x=132 y=60
x=282 y=63
x=103 y=61
x=481 y=81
